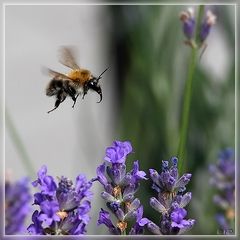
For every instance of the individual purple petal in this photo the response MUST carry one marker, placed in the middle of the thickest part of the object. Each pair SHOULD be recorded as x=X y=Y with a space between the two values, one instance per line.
x=136 y=173
x=134 y=204
x=119 y=214
x=177 y=218
x=38 y=198
x=104 y=218
x=101 y=174
x=126 y=146
x=154 y=203
x=139 y=214
x=118 y=151
x=83 y=211
x=154 y=176
x=152 y=227
x=184 y=180
x=114 y=173
x=47 y=183
x=185 y=199
x=48 y=212
x=35 y=228
x=130 y=189
x=129 y=197
x=144 y=221
x=82 y=187
x=108 y=197
x=115 y=155
x=138 y=227
x=188 y=226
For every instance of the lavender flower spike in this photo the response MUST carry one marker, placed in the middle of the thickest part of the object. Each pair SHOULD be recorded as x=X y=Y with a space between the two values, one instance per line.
x=208 y=22
x=119 y=189
x=17 y=206
x=223 y=179
x=171 y=201
x=189 y=27
x=188 y=19
x=63 y=208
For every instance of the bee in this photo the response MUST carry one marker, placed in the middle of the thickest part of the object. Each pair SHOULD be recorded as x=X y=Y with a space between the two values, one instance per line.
x=77 y=81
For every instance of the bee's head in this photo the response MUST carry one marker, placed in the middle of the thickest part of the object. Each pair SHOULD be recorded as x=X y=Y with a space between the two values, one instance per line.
x=95 y=86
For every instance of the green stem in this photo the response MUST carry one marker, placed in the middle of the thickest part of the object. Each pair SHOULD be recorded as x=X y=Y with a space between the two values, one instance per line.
x=19 y=144
x=188 y=94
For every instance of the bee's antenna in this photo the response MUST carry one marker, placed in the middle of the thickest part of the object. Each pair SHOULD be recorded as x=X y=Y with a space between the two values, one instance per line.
x=99 y=77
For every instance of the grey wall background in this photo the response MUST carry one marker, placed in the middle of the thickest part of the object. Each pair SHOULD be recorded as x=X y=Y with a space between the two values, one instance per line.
x=68 y=141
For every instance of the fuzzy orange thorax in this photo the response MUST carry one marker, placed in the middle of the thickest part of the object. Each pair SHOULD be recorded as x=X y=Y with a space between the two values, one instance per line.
x=81 y=75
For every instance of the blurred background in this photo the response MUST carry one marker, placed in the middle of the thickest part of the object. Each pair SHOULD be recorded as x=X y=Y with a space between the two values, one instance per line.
x=143 y=46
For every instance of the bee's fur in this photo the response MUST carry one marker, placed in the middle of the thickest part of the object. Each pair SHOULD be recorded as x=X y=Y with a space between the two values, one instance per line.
x=61 y=89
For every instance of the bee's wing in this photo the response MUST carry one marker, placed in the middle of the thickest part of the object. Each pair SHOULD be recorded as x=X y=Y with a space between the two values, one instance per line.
x=67 y=58
x=55 y=75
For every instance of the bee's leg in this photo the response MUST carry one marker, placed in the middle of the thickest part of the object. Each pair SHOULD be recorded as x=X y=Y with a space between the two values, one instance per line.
x=74 y=100
x=85 y=90
x=63 y=98
x=73 y=95
x=60 y=99
x=71 y=92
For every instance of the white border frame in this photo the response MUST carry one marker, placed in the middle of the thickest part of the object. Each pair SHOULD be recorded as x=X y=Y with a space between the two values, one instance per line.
x=3 y=5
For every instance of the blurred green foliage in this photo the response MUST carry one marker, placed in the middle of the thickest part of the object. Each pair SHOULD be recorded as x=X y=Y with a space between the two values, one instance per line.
x=151 y=66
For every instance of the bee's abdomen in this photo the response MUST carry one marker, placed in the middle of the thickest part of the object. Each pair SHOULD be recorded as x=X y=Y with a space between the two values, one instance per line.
x=54 y=87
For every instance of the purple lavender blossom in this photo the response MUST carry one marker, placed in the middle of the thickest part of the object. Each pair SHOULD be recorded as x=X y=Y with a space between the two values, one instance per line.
x=63 y=208
x=187 y=17
x=120 y=187
x=17 y=206
x=208 y=22
x=223 y=179
x=171 y=201
x=189 y=26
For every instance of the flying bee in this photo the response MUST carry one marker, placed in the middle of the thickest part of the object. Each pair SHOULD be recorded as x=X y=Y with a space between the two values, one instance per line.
x=77 y=81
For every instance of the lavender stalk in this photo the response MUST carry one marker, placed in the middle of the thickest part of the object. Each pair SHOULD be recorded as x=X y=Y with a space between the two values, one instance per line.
x=196 y=33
